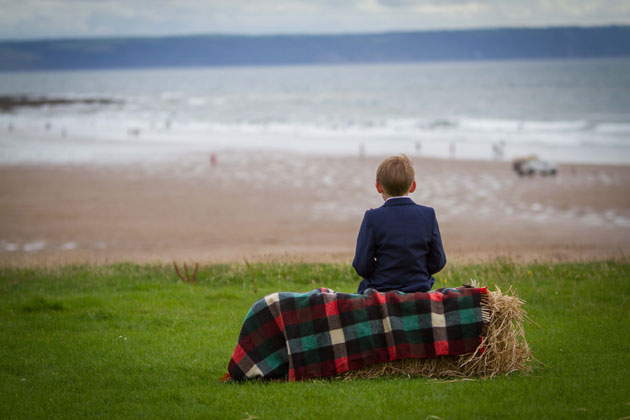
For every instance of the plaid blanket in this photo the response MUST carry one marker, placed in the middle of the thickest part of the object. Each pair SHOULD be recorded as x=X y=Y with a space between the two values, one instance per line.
x=320 y=333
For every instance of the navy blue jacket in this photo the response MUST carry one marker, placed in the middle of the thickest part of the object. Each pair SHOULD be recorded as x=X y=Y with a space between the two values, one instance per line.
x=399 y=247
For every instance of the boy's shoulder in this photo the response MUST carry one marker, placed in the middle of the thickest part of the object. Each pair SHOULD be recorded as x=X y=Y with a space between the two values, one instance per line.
x=397 y=203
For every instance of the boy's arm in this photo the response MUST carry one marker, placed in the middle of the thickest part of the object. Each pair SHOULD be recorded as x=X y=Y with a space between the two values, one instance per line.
x=437 y=257
x=363 y=261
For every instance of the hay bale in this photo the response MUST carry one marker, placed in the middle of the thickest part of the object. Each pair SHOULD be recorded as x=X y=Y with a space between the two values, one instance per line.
x=505 y=348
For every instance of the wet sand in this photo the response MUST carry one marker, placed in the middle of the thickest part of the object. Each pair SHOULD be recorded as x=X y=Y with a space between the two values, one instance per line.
x=263 y=206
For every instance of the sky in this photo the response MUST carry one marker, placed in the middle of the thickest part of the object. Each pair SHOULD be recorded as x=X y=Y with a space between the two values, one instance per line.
x=37 y=19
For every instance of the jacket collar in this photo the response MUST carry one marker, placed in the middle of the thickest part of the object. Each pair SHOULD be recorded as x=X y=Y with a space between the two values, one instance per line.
x=398 y=201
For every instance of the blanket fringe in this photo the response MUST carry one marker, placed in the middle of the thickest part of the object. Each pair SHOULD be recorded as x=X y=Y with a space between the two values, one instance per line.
x=486 y=312
x=503 y=350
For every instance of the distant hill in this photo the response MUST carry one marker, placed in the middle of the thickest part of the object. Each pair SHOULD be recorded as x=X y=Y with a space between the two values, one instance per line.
x=240 y=50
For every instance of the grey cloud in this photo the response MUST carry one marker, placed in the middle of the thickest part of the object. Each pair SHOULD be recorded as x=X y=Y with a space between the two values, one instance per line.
x=434 y=3
x=63 y=18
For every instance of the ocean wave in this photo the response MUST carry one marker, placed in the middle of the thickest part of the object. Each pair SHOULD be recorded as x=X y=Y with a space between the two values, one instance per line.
x=184 y=109
x=458 y=128
x=414 y=127
x=613 y=128
x=511 y=125
x=410 y=126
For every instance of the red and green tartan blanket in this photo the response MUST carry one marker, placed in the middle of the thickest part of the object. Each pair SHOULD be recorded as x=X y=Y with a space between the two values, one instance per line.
x=320 y=333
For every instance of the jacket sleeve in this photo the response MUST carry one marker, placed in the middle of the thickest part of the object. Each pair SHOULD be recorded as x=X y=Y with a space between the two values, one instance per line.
x=363 y=261
x=437 y=258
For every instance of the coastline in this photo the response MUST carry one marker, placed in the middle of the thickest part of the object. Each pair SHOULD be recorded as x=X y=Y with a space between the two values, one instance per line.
x=289 y=207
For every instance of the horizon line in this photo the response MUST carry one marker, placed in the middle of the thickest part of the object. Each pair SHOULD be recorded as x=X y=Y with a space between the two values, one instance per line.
x=309 y=34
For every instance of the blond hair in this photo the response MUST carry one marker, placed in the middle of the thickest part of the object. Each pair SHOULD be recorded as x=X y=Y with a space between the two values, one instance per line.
x=396 y=175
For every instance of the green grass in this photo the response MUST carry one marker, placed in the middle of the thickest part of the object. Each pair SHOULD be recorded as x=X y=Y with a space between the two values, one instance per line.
x=129 y=341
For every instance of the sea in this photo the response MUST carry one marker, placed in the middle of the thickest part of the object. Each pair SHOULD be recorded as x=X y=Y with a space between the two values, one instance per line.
x=560 y=110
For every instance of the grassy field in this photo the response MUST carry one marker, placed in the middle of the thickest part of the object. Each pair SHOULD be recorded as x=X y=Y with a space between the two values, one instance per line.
x=129 y=341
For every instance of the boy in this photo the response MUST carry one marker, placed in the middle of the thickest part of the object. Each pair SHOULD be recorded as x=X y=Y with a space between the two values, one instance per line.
x=399 y=245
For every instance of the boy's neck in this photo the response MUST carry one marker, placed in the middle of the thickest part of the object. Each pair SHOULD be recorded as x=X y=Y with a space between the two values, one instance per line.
x=387 y=197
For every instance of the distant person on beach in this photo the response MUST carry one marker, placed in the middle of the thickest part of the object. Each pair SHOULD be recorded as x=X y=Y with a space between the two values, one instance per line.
x=399 y=246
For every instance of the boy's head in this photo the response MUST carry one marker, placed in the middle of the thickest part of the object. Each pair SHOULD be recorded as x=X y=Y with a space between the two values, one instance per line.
x=395 y=177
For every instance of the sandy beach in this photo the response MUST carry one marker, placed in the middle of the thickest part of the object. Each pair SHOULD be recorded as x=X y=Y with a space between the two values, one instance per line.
x=265 y=206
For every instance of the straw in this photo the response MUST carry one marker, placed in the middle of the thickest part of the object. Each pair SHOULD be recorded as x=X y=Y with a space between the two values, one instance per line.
x=504 y=344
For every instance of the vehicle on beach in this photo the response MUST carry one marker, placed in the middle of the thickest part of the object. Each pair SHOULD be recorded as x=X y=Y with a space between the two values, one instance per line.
x=532 y=165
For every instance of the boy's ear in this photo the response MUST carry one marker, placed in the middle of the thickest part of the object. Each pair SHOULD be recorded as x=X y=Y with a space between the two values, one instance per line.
x=413 y=187
x=379 y=187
